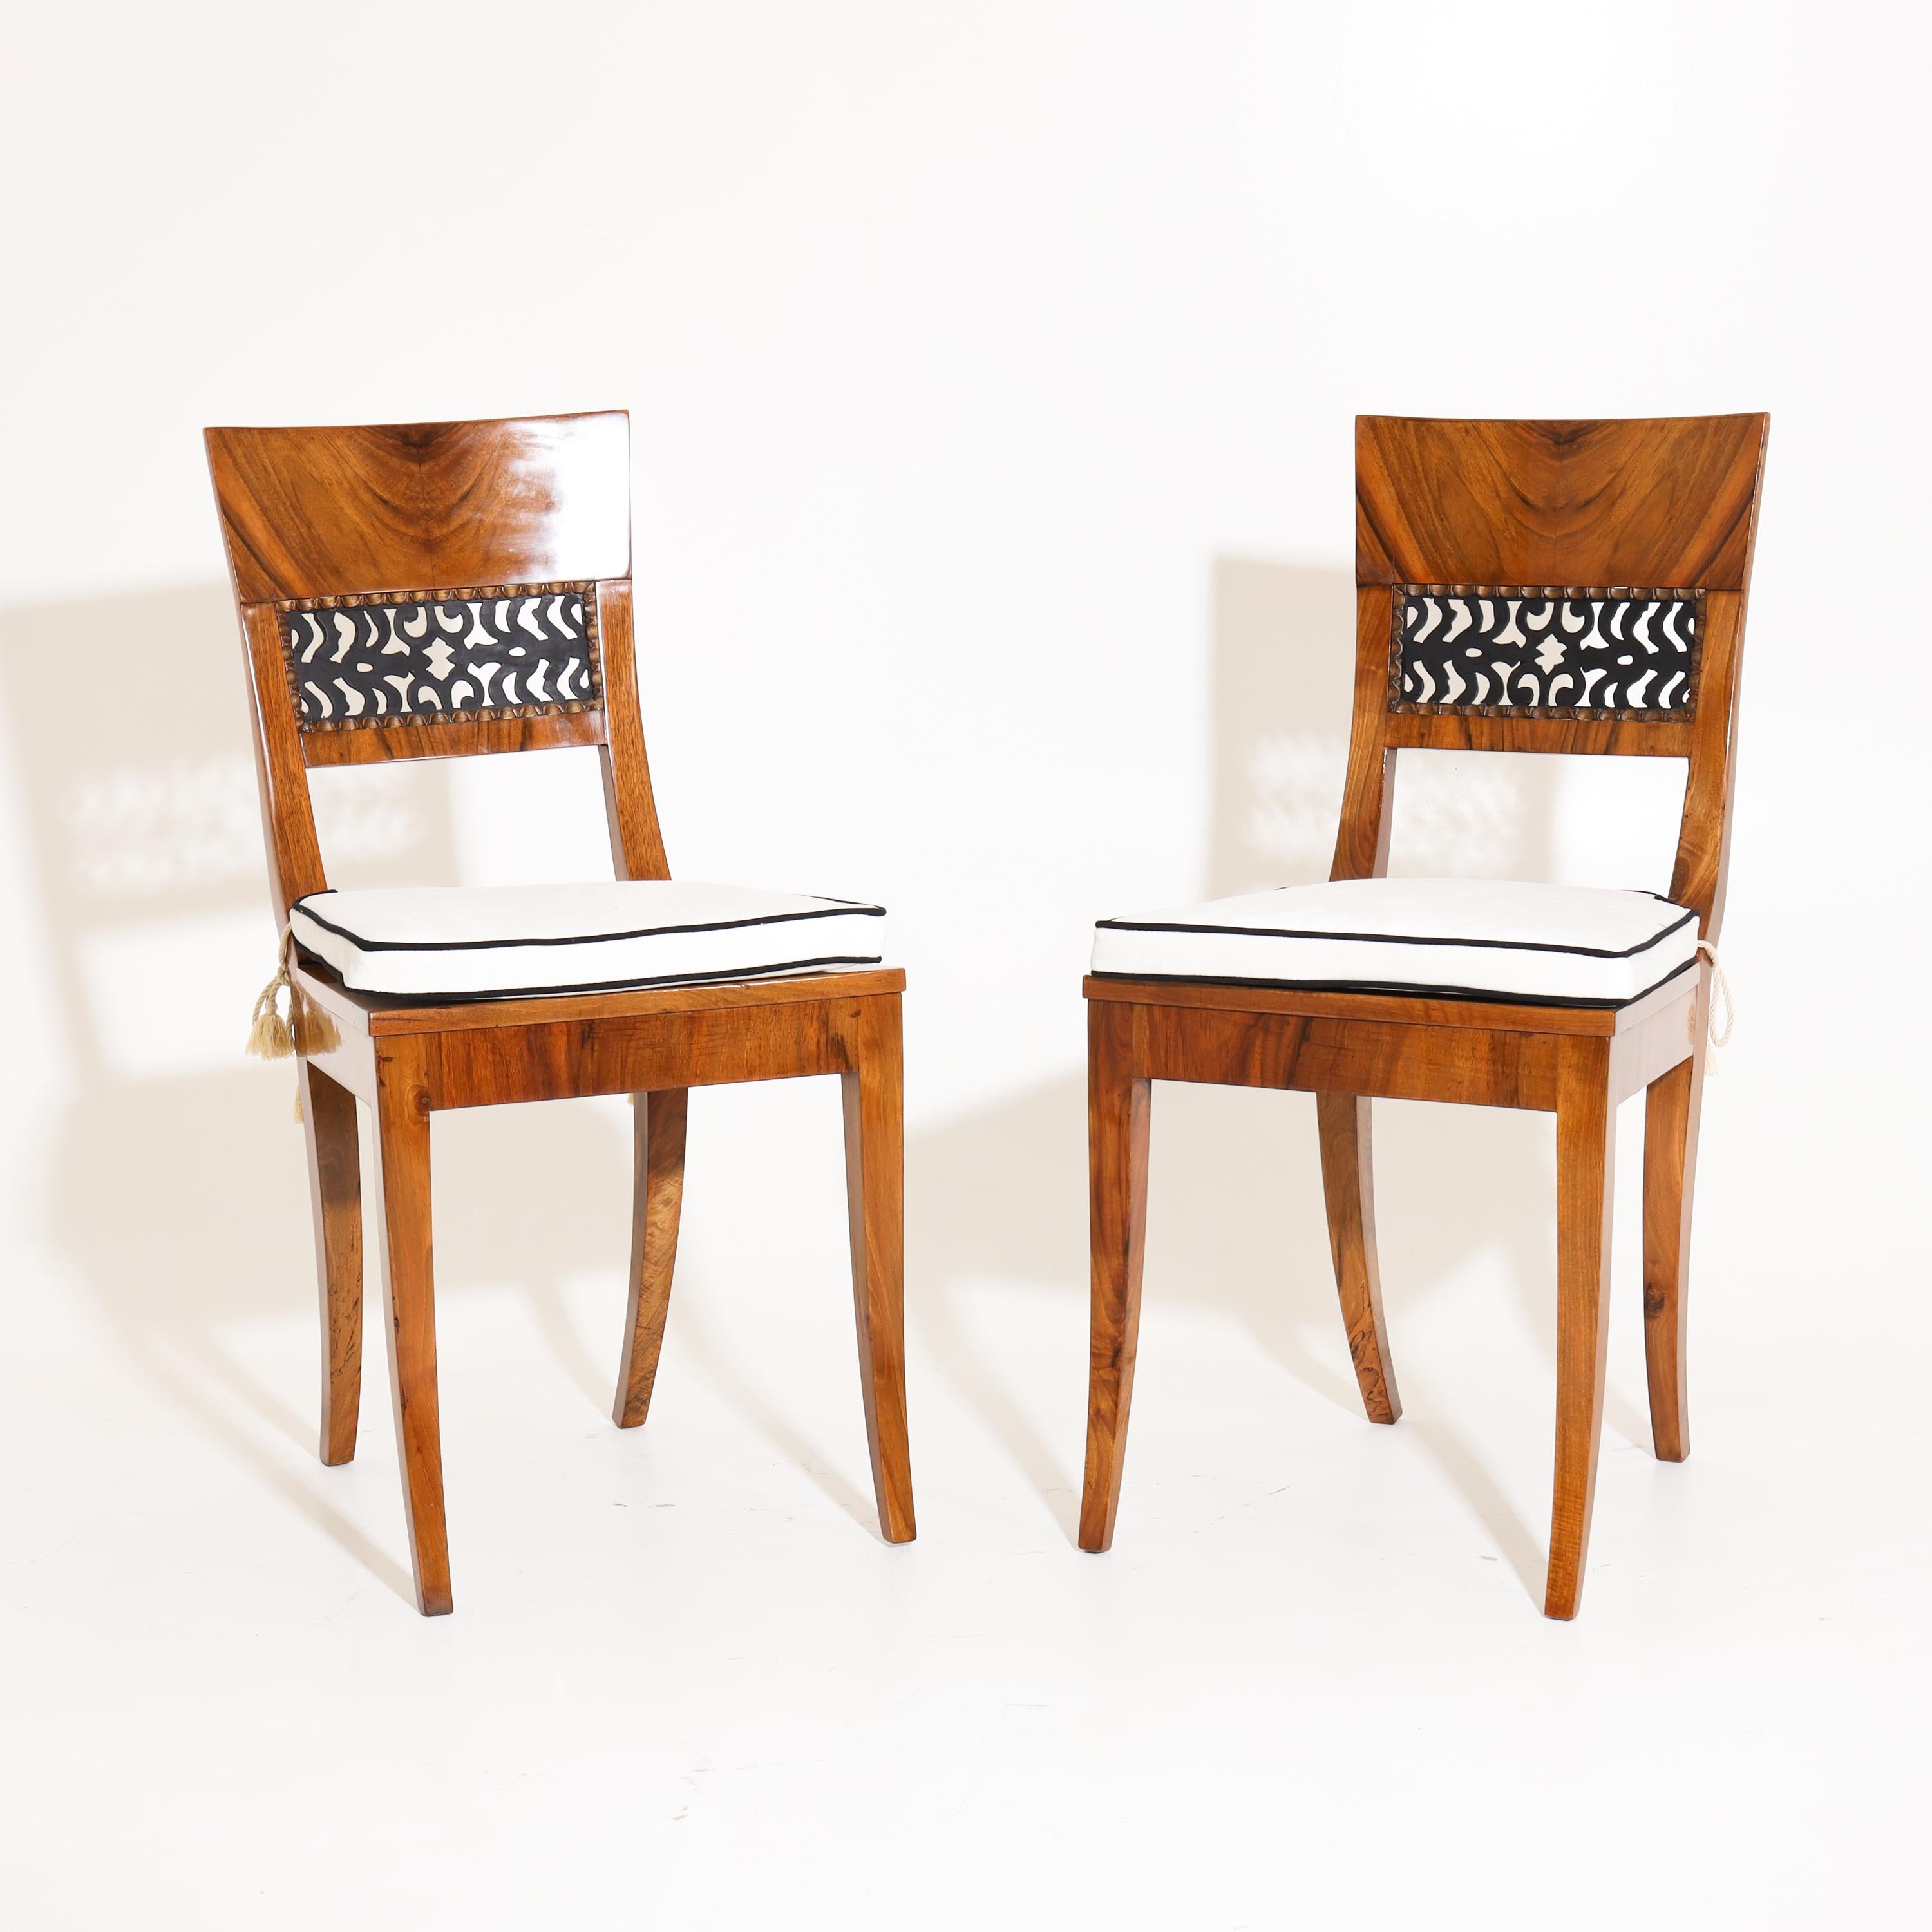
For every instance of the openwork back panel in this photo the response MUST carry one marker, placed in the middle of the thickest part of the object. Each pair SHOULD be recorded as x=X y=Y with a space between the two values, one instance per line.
x=513 y=651
x=1494 y=651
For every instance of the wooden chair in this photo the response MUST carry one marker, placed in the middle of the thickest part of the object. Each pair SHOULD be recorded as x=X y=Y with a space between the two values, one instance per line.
x=488 y=524
x=1501 y=606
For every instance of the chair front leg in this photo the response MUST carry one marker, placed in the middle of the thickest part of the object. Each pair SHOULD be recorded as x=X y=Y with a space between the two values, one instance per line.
x=402 y=1211
x=1586 y=1159
x=1672 y=1105
x=1117 y=1106
x=1348 y=1183
x=657 y=1196
x=335 y=1197
x=875 y=1203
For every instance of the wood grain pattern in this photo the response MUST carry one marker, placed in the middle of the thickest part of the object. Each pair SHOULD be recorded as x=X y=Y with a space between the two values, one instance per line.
x=1117 y=1113
x=1586 y=1145
x=340 y=511
x=869 y=1030
x=657 y=1202
x=1595 y=737
x=409 y=1292
x=1378 y=1057
x=455 y=737
x=1669 y=503
x=1481 y=1016
x=335 y=1197
x=1703 y=842
x=1348 y=1187
x=1672 y=1105
x=288 y=817
x=633 y=1054
x=1662 y=500
x=637 y=843
x=1368 y=799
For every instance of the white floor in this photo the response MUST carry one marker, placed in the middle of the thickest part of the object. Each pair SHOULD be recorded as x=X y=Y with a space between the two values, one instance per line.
x=686 y=1685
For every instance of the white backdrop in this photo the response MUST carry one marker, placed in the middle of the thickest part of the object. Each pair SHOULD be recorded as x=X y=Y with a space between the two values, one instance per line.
x=992 y=372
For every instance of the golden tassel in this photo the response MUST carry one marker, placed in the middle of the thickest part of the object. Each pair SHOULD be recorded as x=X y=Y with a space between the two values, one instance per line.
x=308 y=1029
x=270 y=1036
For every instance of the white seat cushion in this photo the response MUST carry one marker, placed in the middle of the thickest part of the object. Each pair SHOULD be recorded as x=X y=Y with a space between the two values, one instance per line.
x=459 y=941
x=1501 y=938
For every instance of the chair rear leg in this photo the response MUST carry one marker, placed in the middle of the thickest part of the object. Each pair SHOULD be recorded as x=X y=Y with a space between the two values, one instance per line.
x=875 y=1202
x=402 y=1212
x=1585 y=1159
x=657 y=1197
x=1672 y=1104
x=335 y=1196
x=1347 y=1181
x=1117 y=1107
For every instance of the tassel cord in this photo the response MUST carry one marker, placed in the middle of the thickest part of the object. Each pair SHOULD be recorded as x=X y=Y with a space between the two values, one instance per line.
x=1720 y=990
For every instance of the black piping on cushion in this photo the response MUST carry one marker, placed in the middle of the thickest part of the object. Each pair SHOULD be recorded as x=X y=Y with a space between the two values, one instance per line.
x=746 y=972
x=1387 y=939
x=835 y=909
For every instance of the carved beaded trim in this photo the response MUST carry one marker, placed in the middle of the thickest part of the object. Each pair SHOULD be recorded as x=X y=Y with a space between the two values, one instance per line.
x=1475 y=650
x=431 y=657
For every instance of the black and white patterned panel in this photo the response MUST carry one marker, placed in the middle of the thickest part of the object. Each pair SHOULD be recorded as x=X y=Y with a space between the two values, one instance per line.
x=353 y=664
x=1586 y=653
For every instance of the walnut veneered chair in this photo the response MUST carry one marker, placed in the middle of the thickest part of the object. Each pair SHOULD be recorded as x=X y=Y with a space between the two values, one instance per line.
x=438 y=590
x=1521 y=586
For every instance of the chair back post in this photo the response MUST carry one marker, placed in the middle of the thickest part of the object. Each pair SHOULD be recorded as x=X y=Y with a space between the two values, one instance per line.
x=1654 y=519
x=373 y=534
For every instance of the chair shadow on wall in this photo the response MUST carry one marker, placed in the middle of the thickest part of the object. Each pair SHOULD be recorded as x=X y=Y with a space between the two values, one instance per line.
x=177 y=1190
x=1236 y=1221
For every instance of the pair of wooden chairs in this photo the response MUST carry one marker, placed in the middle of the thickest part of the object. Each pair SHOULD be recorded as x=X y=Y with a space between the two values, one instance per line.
x=442 y=590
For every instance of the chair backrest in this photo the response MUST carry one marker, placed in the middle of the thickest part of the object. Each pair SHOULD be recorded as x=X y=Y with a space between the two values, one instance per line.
x=423 y=590
x=1552 y=587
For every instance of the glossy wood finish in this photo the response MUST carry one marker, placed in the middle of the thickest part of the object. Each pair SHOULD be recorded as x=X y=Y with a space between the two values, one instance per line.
x=356 y=511
x=1704 y=838
x=483 y=1067
x=288 y=815
x=409 y=1294
x=335 y=1197
x=657 y=1202
x=351 y=512
x=1672 y=1103
x=1667 y=500
x=1349 y=1193
x=1426 y=731
x=875 y=1206
x=637 y=844
x=1370 y=1056
x=1668 y=503
x=1118 y=1101
x=1586 y=1145
x=452 y=738
x=1368 y=795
